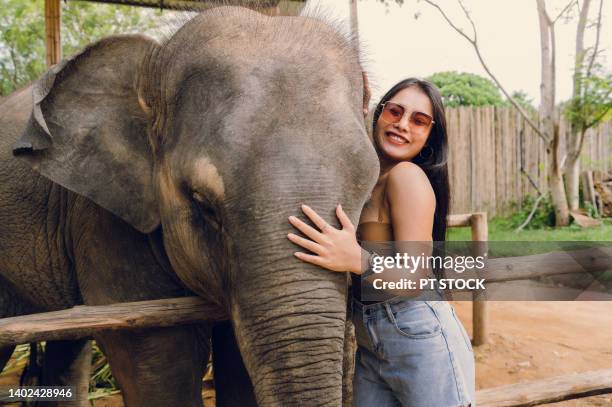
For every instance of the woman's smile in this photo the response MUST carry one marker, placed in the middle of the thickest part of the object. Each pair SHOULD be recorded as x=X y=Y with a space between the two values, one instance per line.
x=396 y=138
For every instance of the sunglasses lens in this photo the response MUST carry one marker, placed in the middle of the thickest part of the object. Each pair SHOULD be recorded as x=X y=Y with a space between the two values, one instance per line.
x=392 y=112
x=421 y=119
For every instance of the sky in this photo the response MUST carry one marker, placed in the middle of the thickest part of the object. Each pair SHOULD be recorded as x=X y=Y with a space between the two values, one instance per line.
x=395 y=45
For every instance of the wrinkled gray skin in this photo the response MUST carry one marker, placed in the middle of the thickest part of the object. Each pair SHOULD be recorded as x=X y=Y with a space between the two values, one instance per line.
x=185 y=159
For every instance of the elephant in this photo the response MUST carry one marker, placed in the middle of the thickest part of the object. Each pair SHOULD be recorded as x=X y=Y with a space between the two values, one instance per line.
x=138 y=170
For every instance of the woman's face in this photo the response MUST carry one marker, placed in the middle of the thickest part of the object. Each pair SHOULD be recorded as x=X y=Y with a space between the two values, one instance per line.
x=404 y=140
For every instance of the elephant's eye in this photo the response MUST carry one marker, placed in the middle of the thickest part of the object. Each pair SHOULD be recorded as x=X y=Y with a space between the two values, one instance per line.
x=205 y=208
x=198 y=197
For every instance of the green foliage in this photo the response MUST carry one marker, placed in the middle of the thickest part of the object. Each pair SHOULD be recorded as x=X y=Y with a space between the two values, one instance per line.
x=544 y=216
x=591 y=210
x=22 y=47
x=593 y=103
x=466 y=89
x=22 y=33
x=524 y=101
x=101 y=382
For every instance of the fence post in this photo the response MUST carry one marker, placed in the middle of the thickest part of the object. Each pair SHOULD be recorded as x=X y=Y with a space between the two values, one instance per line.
x=480 y=233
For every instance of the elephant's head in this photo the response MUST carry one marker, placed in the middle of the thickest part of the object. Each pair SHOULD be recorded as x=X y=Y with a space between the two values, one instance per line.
x=218 y=135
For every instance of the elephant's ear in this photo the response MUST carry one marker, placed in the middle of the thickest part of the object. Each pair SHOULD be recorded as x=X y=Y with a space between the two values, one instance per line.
x=88 y=131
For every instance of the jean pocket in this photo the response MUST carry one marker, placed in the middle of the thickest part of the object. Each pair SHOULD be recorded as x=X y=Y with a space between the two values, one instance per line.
x=417 y=321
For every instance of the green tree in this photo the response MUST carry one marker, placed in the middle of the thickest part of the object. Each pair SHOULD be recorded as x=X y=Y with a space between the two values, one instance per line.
x=591 y=101
x=522 y=98
x=22 y=33
x=22 y=48
x=466 y=89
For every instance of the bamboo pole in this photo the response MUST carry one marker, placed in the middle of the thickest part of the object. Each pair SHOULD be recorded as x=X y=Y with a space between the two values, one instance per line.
x=480 y=233
x=53 y=39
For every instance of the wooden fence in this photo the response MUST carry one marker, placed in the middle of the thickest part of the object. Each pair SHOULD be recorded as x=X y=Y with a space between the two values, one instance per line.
x=487 y=147
x=85 y=321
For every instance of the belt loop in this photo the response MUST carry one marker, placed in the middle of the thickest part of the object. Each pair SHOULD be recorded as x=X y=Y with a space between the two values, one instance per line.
x=389 y=312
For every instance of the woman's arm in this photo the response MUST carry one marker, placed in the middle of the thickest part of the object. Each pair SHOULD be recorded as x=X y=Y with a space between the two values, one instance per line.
x=412 y=204
x=333 y=249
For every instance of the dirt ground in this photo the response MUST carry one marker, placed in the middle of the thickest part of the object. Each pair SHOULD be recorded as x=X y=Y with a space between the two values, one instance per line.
x=527 y=341
x=536 y=340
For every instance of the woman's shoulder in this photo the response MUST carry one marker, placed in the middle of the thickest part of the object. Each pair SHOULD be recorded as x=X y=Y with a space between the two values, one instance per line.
x=406 y=179
x=407 y=173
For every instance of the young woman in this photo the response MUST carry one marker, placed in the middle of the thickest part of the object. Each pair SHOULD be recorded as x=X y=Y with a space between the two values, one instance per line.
x=410 y=352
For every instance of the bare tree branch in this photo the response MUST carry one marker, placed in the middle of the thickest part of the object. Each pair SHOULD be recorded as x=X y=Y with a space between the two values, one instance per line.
x=450 y=22
x=533 y=211
x=474 y=43
x=467 y=14
x=15 y=67
x=580 y=52
x=553 y=66
x=567 y=6
x=546 y=16
x=597 y=36
x=531 y=181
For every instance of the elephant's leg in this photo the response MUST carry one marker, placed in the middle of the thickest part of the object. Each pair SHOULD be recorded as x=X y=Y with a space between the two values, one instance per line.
x=68 y=363
x=158 y=367
x=10 y=306
x=233 y=386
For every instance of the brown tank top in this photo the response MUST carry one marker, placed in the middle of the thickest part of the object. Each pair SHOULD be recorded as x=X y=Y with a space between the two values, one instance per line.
x=373 y=232
x=376 y=231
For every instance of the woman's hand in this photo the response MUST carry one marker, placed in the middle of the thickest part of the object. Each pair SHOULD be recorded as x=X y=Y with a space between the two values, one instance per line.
x=334 y=249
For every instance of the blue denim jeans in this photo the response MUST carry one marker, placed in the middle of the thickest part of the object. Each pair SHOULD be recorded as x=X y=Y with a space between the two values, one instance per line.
x=412 y=353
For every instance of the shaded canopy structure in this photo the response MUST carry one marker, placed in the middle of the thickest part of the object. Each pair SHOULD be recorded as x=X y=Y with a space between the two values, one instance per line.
x=53 y=14
x=193 y=5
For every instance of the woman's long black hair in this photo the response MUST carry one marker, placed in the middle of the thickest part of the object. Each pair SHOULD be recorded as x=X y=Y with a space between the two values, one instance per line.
x=435 y=164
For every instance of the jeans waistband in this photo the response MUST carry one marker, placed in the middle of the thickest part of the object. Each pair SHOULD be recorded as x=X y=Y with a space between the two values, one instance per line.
x=397 y=303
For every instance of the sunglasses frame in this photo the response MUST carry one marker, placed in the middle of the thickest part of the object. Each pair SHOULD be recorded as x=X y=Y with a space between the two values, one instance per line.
x=382 y=108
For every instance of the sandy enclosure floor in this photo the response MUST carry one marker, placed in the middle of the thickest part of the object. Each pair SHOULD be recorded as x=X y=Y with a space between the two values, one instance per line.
x=528 y=341
x=536 y=340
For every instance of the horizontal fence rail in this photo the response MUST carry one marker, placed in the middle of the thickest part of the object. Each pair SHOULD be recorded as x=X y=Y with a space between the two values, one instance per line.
x=85 y=320
x=550 y=390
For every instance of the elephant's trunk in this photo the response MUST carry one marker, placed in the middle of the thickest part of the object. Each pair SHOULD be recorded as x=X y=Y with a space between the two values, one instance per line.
x=290 y=326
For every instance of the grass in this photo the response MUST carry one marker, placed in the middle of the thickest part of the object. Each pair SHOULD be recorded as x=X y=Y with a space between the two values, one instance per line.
x=538 y=240
x=502 y=229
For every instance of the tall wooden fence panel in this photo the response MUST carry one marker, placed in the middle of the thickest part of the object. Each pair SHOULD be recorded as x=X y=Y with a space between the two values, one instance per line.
x=489 y=145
